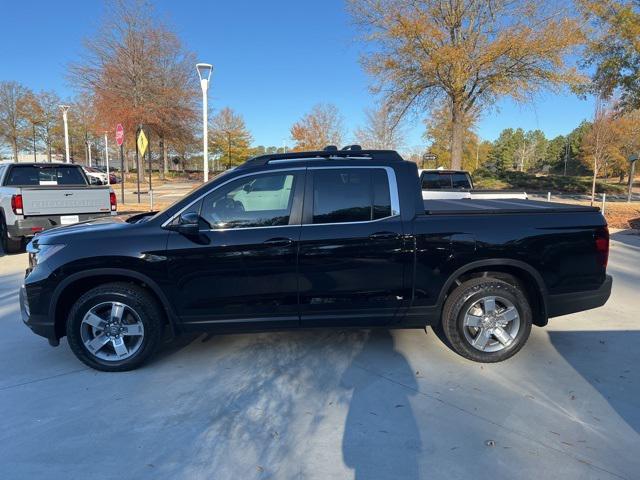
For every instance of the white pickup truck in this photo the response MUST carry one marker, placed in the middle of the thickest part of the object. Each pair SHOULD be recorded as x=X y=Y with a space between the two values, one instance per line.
x=439 y=184
x=38 y=196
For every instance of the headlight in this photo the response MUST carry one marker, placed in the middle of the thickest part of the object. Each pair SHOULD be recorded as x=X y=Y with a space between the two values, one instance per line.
x=39 y=254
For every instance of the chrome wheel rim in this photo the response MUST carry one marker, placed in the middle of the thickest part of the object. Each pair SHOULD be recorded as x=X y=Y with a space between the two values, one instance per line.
x=491 y=324
x=112 y=331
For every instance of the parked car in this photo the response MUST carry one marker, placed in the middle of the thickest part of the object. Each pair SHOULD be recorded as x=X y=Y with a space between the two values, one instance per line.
x=96 y=177
x=316 y=239
x=113 y=178
x=456 y=184
x=38 y=196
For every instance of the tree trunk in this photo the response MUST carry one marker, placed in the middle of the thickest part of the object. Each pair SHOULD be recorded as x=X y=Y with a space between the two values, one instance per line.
x=14 y=144
x=165 y=160
x=457 y=132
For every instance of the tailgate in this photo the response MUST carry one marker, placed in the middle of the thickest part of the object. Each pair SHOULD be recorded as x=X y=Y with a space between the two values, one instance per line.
x=65 y=200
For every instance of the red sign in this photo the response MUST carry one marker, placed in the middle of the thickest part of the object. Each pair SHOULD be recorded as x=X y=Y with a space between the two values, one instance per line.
x=119 y=134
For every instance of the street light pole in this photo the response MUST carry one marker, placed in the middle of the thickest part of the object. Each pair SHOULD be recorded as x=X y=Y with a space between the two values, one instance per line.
x=64 y=109
x=204 y=73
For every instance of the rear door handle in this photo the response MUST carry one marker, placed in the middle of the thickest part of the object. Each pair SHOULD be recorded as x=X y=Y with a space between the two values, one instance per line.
x=279 y=242
x=384 y=236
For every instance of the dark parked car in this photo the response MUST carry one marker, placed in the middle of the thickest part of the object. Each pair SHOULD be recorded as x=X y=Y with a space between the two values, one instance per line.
x=316 y=239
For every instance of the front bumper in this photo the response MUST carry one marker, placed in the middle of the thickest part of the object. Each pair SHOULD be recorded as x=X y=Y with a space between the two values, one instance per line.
x=567 y=303
x=28 y=227
x=39 y=324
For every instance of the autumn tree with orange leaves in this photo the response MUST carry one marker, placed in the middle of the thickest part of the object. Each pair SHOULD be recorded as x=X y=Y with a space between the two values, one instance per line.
x=464 y=54
x=320 y=127
x=137 y=71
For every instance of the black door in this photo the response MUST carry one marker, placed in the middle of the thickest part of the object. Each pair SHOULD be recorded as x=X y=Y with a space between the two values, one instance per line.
x=351 y=259
x=241 y=268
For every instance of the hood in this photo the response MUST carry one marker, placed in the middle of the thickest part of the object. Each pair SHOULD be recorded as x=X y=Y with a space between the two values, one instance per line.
x=67 y=233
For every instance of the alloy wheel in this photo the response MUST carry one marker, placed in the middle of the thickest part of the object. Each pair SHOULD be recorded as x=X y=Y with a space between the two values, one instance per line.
x=491 y=324
x=112 y=331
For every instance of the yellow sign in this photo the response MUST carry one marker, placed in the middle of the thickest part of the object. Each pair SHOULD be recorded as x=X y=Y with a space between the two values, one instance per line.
x=142 y=143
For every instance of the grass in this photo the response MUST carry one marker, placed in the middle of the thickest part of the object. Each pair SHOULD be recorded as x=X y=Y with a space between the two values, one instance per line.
x=528 y=182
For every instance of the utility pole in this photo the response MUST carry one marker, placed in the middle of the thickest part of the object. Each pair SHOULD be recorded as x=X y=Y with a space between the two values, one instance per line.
x=89 y=145
x=632 y=171
x=106 y=157
x=35 y=157
x=228 y=149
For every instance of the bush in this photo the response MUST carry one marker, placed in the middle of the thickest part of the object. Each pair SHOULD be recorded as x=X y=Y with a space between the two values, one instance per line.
x=511 y=180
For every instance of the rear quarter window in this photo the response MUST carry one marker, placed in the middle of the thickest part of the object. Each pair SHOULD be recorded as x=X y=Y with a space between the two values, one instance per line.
x=436 y=181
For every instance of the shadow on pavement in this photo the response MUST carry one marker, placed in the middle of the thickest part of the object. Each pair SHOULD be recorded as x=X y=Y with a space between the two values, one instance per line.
x=608 y=360
x=381 y=435
x=628 y=237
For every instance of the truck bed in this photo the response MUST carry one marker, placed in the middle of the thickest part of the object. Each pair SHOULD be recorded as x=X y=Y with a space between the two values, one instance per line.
x=474 y=206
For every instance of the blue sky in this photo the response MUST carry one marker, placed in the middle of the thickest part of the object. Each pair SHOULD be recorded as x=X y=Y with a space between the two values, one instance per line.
x=272 y=61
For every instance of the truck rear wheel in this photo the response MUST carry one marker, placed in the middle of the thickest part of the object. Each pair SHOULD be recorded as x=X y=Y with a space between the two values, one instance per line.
x=487 y=320
x=115 y=327
x=9 y=245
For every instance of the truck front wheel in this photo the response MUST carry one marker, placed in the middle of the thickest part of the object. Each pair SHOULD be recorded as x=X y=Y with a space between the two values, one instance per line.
x=115 y=327
x=486 y=320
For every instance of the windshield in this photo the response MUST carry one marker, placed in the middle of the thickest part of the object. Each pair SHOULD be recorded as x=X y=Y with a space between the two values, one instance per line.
x=30 y=175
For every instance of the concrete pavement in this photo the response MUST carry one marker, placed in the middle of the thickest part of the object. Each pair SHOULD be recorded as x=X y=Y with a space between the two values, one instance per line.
x=332 y=404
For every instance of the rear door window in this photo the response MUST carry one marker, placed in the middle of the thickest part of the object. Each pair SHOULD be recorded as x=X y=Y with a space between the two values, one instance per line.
x=350 y=195
x=31 y=175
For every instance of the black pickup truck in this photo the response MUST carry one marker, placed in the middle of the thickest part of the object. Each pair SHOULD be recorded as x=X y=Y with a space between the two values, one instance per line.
x=332 y=238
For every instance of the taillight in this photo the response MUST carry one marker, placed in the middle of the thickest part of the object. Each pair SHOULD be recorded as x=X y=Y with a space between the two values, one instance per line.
x=602 y=246
x=113 y=201
x=16 y=204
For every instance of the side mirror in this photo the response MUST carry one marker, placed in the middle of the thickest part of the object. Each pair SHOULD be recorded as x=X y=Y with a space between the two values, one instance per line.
x=188 y=224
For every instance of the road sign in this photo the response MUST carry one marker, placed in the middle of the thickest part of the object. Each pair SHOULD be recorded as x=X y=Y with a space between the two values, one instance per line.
x=119 y=134
x=633 y=158
x=142 y=143
x=429 y=157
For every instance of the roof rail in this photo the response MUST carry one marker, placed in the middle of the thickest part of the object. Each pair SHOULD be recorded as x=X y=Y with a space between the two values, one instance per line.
x=351 y=154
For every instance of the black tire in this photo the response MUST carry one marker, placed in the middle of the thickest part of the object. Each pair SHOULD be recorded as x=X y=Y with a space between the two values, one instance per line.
x=468 y=294
x=134 y=297
x=9 y=245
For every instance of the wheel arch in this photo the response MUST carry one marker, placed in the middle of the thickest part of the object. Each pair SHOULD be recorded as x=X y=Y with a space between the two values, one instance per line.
x=75 y=285
x=527 y=276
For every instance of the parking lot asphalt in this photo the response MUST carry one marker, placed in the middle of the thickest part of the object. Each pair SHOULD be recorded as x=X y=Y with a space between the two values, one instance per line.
x=380 y=404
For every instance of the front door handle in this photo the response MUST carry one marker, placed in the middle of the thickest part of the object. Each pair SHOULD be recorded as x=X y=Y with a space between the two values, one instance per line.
x=384 y=236
x=278 y=242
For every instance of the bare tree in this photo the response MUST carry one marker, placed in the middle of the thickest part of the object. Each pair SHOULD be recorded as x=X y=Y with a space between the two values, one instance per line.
x=599 y=143
x=138 y=72
x=466 y=51
x=12 y=114
x=381 y=131
x=321 y=127
x=50 y=130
